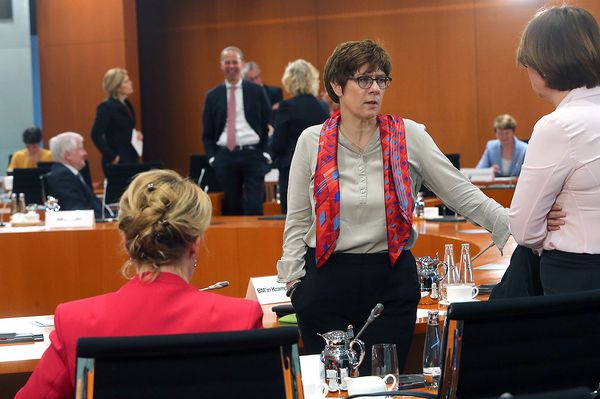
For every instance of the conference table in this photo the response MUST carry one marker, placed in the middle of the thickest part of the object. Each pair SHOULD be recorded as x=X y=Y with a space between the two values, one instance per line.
x=40 y=268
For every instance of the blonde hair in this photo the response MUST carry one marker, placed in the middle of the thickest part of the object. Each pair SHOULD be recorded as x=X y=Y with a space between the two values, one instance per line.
x=301 y=77
x=161 y=214
x=505 y=121
x=112 y=80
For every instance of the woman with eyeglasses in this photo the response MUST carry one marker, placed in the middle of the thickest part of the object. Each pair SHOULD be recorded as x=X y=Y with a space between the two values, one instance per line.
x=505 y=154
x=349 y=231
x=560 y=49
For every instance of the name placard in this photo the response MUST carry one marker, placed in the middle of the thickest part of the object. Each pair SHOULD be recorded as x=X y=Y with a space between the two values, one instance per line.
x=266 y=290
x=474 y=174
x=69 y=219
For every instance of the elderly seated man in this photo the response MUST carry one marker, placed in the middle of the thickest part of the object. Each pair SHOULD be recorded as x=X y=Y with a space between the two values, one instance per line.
x=65 y=183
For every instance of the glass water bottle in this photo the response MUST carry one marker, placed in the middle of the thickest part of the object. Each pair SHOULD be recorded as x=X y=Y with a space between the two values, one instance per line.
x=432 y=351
x=466 y=270
x=452 y=276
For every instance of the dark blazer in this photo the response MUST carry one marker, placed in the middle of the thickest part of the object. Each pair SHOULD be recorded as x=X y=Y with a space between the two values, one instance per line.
x=111 y=131
x=293 y=116
x=214 y=116
x=71 y=193
x=168 y=305
x=274 y=94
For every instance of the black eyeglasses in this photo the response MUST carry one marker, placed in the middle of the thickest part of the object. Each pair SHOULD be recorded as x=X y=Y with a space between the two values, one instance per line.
x=365 y=82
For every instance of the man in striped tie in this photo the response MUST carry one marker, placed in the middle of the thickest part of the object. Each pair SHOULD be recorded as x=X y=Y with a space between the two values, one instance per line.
x=235 y=131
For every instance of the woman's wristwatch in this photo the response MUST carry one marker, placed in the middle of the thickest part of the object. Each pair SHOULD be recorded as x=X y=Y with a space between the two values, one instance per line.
x=290 y=287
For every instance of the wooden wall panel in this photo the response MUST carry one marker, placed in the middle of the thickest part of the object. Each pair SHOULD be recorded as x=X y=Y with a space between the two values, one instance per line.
x=78 y=42
x=453 y=61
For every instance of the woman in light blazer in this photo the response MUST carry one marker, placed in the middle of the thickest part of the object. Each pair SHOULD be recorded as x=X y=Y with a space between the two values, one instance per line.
x=505 y=154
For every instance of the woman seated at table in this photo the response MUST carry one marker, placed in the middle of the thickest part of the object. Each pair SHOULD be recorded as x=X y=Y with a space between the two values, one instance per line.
x=562 y=165
x=505 y=154
x=32 y=153
x=162 y=218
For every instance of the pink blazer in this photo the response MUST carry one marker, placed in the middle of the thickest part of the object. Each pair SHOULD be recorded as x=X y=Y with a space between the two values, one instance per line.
x=168 y=305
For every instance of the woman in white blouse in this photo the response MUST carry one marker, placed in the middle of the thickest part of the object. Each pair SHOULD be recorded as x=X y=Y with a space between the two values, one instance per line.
x=561 y=50
x=348 y=230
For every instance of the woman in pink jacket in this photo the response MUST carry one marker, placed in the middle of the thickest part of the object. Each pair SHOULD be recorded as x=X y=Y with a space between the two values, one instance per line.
x=162 y=219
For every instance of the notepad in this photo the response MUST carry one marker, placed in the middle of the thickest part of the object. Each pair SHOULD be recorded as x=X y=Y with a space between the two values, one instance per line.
x=289 y=320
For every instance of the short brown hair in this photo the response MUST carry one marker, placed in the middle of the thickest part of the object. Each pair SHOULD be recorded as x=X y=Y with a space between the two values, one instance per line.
x=505 y=121
x=349 y=57
x=112 y=80
x=562 y=44
x=160 y=215
x=234 y=49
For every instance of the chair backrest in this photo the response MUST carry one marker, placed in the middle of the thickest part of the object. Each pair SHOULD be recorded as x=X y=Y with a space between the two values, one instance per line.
x=521 y=345
x=454 y=159
x=46 y=166
x=119 y=176
x=574 y=393
x=203 y=174
x=250 y=364
x=27 y=181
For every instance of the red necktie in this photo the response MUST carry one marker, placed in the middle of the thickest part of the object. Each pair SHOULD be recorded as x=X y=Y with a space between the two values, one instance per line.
x=231 y=119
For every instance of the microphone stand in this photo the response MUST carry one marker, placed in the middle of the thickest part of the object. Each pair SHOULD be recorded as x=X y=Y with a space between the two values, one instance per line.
x=374 y=314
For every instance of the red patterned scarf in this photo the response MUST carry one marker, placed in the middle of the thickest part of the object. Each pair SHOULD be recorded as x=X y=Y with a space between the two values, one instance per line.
x=397 y=193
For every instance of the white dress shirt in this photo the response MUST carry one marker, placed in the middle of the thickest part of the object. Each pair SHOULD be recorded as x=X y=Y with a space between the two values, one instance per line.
x=244 y=134
x=562 y=165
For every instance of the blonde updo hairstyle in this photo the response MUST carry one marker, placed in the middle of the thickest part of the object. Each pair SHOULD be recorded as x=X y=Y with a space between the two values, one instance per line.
x=161 y=214
x=112 y=81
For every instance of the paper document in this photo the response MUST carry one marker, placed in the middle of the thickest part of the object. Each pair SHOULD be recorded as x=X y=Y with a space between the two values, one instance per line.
x=137 y=144
x=491 y=266
x=473 y=231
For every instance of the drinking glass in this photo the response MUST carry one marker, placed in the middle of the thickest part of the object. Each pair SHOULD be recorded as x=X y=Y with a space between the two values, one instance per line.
x=384 y=360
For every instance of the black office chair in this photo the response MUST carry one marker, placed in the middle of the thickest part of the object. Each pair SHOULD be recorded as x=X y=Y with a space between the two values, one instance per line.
x=454 y=159
x=27 y=181
x=203 y=174
x=118 y=177
x=575 y=393
x=249 y=364
x=46 y=166
x=521 y=345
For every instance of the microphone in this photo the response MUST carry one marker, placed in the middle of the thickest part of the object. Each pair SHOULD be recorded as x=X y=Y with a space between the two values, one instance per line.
x=104 y=197
x=104 y=206
x=375 y=312
x=216 y=286
x=201 y=176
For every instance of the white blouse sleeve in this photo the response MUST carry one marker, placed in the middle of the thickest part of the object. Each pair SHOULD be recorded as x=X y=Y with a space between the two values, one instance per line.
x=548 y=164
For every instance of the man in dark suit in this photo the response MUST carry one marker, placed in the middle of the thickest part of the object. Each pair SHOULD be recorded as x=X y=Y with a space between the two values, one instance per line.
x=65 y=183
x=235 y=126
x=252 y=73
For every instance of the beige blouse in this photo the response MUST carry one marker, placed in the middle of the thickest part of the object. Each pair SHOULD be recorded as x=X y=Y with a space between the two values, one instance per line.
x=362 y=207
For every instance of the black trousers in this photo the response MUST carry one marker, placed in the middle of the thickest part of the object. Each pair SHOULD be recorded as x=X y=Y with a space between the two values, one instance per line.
x=282 y=186
x=241 y=174
x=345 y=289
x=562 y=272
